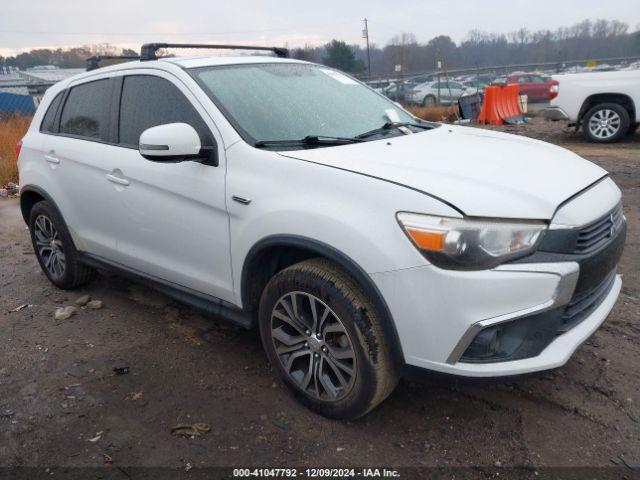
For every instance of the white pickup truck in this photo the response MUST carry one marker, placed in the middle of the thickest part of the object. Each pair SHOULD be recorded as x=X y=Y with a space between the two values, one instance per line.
x=604 y=104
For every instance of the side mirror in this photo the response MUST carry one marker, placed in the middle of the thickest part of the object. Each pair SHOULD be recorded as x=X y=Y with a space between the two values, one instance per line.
x=170 y=142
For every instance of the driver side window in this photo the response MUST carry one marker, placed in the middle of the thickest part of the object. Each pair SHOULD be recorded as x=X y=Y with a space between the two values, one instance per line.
x=148 y=101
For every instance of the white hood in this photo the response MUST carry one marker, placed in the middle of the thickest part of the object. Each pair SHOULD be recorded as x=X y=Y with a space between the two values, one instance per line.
x=482 y=173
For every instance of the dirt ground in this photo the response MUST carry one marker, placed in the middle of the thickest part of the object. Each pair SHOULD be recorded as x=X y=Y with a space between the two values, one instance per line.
x=61 y=405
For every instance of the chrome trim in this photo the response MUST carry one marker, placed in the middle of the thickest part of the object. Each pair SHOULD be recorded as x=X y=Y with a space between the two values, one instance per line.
x=568 y=273
x=242 y=200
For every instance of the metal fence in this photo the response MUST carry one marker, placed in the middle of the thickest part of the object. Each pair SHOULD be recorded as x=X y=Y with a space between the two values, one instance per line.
x=565 y=66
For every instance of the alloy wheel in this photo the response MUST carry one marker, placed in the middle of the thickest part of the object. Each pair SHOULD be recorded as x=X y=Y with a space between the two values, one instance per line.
x=313 y=346
x=49 y=246
x=604 y=124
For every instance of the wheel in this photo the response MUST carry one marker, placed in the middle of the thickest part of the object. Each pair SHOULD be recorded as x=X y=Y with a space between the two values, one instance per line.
x=605 y=123
x=324 y=339
x=428 y=101
x=54 y=248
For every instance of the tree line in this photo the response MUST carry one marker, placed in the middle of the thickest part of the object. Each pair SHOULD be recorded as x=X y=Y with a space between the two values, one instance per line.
x=582 y=41
x=585 y=40
x=68 y=58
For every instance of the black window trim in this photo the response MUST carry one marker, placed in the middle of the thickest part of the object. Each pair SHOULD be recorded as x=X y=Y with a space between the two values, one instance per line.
x=56 y=118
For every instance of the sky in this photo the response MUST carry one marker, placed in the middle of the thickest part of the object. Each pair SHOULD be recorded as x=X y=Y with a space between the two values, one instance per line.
x=129 y=23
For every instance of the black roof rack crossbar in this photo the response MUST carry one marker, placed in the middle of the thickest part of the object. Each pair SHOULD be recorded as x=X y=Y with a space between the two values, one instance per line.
x=148 y=50
x=94 y=62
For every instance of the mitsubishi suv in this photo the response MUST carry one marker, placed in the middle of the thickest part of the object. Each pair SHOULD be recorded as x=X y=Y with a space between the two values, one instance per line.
x=288 y=196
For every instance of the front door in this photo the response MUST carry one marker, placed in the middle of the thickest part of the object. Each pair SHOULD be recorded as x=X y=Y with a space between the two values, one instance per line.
x=173 y=222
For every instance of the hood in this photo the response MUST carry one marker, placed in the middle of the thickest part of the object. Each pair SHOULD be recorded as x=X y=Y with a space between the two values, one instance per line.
x=481 y=172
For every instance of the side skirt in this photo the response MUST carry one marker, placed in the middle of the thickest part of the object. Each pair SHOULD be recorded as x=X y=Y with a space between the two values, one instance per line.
x=207 y=304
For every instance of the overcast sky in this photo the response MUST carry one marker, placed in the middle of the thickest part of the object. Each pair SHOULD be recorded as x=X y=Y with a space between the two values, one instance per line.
x=60 y=23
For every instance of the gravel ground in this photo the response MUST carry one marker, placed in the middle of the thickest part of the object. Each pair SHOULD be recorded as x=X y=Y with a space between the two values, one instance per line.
x=62 y=405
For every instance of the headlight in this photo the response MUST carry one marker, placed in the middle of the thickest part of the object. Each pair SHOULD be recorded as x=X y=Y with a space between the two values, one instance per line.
x=470 y=244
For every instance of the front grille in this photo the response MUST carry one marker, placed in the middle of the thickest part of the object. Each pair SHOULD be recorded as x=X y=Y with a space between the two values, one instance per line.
x=584 y=303
x=592 y=236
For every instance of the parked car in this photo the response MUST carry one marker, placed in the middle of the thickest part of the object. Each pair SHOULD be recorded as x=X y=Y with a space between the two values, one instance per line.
x=288 y=196
x=397 y=91
x=475 y=85
x=534 y=86
x=433 y=92
x=604 y=104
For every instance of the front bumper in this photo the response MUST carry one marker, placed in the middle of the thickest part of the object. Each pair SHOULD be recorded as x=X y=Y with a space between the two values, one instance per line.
x=439 y=312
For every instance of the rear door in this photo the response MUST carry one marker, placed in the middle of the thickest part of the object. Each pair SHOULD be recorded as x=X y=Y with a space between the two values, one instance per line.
x=173 y=223
x=80 y=156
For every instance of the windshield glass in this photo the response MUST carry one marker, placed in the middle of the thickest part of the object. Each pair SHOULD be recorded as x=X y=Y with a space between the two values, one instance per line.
x=288 y=101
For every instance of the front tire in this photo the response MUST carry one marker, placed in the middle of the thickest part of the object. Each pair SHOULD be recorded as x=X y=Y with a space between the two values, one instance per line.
x=54 y=248
x=325 y=340
x=605 y=123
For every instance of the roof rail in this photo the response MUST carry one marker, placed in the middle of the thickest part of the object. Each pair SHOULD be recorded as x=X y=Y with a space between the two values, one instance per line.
x=148 y=50
x=94 y=62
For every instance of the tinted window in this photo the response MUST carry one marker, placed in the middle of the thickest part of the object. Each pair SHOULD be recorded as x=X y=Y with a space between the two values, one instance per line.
x=86 y=111
x=48 y=122
x=148 y=101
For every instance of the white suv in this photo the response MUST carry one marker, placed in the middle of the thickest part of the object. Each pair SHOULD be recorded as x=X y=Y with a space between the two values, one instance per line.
x=360 y=240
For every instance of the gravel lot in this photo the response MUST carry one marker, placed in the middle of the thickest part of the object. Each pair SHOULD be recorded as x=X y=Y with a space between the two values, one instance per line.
x=61 y=405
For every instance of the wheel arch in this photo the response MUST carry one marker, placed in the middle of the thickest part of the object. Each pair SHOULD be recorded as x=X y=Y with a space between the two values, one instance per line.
x=620 y=98
x=29 y=196
x=275 y=253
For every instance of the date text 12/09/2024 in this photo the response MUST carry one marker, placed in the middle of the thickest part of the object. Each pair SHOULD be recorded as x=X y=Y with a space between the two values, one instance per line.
x=315 y=473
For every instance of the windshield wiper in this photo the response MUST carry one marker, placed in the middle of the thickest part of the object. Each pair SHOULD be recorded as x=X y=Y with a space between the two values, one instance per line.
x=389 y=125
x=309 y=140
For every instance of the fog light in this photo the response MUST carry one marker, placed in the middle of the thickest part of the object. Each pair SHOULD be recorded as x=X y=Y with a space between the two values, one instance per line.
x=496 y=343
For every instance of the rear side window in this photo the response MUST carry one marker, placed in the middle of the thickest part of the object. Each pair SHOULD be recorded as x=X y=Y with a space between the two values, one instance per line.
x=86 y=111
x=148 y=101
x=48 y=122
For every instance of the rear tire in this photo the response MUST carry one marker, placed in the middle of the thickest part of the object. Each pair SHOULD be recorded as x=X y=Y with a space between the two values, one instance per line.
x=54 y=248
x=312 y=347
x=605 y=123
x=429 y=101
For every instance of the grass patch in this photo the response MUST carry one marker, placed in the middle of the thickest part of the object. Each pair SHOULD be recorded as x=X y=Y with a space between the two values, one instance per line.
x=436 y=113
x=12 y=130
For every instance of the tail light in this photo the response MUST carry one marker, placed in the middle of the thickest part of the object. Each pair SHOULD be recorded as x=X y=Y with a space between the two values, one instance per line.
x=554 y=89
x=18 y=148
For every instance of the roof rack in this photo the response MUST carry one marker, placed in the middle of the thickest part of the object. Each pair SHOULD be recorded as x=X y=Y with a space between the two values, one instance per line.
x=148 y=50
x=94 y=62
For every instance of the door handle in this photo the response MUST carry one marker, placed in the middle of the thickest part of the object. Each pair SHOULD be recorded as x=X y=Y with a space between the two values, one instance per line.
x=51 y=158
x=118 y=180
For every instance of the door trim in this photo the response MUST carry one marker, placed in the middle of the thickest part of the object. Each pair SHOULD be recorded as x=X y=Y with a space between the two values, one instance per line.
x=207 y=304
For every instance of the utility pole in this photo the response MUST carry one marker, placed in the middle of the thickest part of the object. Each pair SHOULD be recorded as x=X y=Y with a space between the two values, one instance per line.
x=365 y=34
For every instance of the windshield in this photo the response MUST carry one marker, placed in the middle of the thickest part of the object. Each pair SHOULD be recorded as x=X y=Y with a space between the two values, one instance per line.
x=284 y=101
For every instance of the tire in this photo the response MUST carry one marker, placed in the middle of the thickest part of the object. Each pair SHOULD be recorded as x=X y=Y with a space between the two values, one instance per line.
x=429 y=101
x=54 y=248
x=605 y=123
x=351 y=326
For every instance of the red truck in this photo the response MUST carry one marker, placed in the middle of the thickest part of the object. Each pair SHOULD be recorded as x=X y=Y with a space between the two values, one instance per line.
x=537 y=87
